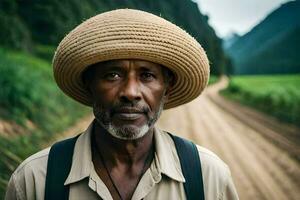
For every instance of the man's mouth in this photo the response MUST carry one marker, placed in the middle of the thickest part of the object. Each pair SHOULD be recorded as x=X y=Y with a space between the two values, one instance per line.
x=128 y=113
x=128 y=116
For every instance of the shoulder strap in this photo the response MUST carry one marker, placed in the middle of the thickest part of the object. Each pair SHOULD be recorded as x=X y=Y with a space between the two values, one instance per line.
x=60 y=162
x=191 y=168
x=58 y=168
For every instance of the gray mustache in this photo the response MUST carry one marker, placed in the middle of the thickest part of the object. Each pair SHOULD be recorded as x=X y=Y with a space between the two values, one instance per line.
x=129 y=108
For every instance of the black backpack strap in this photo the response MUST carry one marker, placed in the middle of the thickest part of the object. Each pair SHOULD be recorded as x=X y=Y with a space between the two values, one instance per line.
x=191 y=168
x=60 y=162
x=58 y=168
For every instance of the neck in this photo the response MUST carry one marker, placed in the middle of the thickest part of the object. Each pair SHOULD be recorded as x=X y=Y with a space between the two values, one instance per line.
x=125 y=152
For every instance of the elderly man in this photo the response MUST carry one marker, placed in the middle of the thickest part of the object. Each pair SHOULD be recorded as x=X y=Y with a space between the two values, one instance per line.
x=128 y=65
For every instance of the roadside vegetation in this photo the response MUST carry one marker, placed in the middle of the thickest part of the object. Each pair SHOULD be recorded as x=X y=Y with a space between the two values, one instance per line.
x=213 y=79
x=277 y=95
x=31 y=101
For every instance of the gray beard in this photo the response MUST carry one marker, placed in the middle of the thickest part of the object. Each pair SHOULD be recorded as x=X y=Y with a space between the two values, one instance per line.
x=125 y=132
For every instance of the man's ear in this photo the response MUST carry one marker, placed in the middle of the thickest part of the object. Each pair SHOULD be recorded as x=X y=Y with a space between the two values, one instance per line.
x=87 y=79
x=87 y=82
x=87 y=87
x=169 y=87
x=170 y=83
x=168 y=90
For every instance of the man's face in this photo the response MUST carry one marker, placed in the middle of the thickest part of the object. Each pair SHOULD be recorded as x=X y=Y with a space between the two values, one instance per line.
x=128 y=96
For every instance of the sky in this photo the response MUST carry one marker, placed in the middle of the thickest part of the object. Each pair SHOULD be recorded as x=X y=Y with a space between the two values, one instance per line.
x=236 y=16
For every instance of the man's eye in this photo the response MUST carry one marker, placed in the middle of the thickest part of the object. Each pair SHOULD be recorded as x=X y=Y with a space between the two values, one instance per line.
x=111 y=76
x=147 y=76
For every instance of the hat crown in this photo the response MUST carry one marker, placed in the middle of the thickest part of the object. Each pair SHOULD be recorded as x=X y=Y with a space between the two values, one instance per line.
x=129 y=14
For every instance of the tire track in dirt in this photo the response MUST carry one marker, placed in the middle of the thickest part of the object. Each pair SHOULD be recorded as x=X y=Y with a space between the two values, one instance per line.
x=285 y=136
x=261 y=170
x=272 y=178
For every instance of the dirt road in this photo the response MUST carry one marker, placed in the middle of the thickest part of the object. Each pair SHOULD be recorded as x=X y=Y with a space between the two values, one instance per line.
x=261 y=170
x=262 y=161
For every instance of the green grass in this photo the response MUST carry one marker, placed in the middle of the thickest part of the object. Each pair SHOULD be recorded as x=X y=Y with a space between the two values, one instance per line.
x=277 y=95
x=29 y=93
x=212 y=79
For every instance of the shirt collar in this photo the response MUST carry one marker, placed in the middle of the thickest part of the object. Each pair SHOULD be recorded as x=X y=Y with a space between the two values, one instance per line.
x=82 y=157
x=167 y=160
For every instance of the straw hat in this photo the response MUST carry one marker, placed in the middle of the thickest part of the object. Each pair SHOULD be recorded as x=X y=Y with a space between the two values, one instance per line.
x=125 y=34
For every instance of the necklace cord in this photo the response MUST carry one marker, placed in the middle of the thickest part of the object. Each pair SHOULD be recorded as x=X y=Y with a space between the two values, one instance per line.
x=150 y=154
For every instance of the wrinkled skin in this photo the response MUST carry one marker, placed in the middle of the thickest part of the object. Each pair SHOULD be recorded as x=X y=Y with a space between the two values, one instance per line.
x=128 y=96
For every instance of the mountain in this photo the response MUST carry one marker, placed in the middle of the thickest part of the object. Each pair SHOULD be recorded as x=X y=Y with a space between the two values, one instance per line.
x=47 y=22
x=230 y=40
x=272 y=46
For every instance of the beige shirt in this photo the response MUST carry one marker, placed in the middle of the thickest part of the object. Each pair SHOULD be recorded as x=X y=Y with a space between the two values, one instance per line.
x=163 y=180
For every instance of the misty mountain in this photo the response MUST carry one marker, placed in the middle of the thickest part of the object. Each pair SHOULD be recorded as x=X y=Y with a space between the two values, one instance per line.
x=272 y=46
x=230 y=40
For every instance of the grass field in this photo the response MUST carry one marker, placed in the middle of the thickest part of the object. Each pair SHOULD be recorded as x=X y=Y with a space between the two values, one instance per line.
x=277 y=95
x=29 y=94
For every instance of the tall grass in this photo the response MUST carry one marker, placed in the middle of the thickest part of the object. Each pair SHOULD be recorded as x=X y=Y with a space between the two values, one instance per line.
x=276 y=95
x=28 y=93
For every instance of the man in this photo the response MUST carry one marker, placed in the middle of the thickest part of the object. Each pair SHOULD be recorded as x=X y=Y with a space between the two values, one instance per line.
x=128 y=65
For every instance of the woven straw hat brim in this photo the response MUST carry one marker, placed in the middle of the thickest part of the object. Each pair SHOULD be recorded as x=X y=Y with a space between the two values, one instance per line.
x=131 y=34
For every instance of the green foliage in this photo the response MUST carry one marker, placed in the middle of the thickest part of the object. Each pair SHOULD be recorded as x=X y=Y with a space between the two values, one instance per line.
x=28 y=92
x=14 y=33
x=44 y=52
x=47 y=22
x=213 y=79
x=276 y=95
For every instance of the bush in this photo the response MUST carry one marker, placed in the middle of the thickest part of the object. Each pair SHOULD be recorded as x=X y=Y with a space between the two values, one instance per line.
x=44 y=52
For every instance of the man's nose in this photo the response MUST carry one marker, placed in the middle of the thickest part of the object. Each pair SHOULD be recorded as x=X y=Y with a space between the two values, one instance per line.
x=131 y=90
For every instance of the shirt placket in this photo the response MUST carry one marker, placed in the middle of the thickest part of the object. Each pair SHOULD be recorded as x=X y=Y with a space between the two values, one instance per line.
x=147 y=183
x=97 y=185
